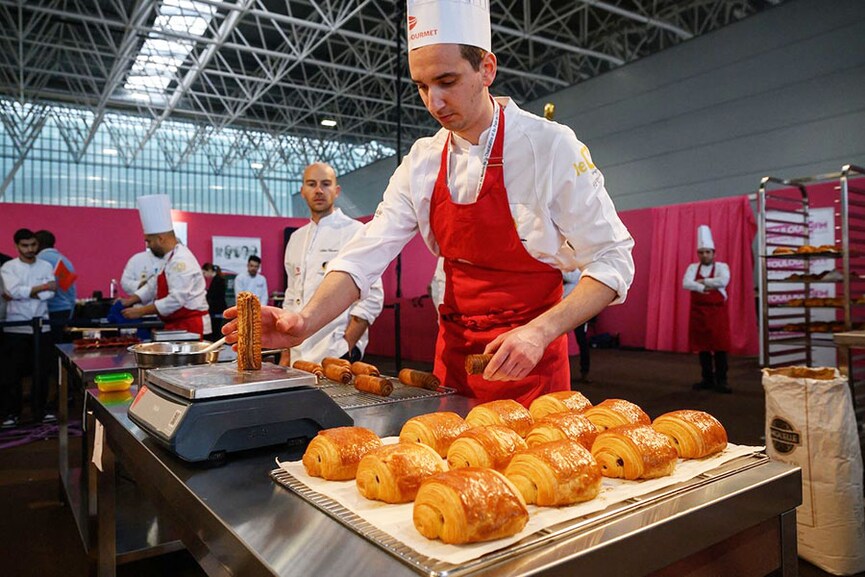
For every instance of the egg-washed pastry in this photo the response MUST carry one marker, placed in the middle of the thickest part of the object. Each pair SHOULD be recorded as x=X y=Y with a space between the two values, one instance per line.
x=375 y=385
x=469 y=506
x=334 y=454
x=421 y=379
x=615 y=412
x=634 y=452
x=327 y=361
x=309 y=367
x=338 y=373
x=361 y=368
x=555 y=474
x=558 y=402
x=505 y=412
x=436 y=430
x=475 y=364
x=248 y=332
x=557 y=426
x=695 y=434
x=491 y=446
x=783 y=250
x=393 y=473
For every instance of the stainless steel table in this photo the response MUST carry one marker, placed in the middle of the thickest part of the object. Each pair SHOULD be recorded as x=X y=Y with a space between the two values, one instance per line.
x=236 y=521
x=140 y=532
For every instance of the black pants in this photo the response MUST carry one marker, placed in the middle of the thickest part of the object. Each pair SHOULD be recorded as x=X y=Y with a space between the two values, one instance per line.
x=716 y=375
x=583 y=343
x=20 y=360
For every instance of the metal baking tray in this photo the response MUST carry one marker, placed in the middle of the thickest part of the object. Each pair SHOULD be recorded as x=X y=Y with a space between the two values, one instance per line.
x=434 y=568
x=347 y=397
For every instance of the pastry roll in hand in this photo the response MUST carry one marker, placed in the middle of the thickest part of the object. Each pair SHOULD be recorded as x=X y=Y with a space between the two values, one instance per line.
x=506 y=412
x=413 y=378
x=248 y=332
x=695 y=434
x=436 y=430
x=492 y=446
x=616 y=412
x=468 y=506
x=393 y=473
x=634 y=452
x=475 y=364
x=555 y=474
x=335 y=453
x=559 y=426
x=557 y=402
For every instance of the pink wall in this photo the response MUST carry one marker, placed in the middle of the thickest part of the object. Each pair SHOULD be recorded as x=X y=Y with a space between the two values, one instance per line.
x=99 y=241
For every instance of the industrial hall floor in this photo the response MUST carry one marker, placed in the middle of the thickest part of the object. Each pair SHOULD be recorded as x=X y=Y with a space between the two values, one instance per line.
x=38 y=536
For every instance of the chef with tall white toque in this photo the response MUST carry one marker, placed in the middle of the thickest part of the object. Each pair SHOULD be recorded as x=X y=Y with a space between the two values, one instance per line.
x=507 y=198
x=177 y=293
x=709 y=321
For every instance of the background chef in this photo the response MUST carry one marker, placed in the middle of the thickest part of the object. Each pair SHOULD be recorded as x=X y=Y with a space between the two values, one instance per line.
x=709 y=320
x=508 y=199
x=177 y=293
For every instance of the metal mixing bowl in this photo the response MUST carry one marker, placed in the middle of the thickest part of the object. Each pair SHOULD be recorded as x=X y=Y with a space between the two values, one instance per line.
x=170 y=354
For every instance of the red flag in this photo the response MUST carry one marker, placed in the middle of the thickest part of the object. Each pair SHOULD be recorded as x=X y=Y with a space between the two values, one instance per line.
x=64 y=276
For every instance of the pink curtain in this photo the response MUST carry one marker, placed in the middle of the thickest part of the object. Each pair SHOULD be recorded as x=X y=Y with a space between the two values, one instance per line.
x=674 y=247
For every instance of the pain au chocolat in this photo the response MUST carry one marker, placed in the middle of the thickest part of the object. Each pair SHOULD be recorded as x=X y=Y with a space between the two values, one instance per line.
x=634 y=452
x=334 y=454
x=248 y=332
x=555 y=474
x=505 y=412
x=436 y=430
x=615 y=412
x=393 y=473
x=695 y=434
x=468 y=506
x=557 y=426
x=557 y=402
x=491 y=446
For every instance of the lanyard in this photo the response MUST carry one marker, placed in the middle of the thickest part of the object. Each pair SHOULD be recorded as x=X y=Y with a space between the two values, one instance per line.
x=491 y=138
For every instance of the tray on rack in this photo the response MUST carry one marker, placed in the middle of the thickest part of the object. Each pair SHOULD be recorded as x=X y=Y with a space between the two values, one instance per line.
x=380 y=525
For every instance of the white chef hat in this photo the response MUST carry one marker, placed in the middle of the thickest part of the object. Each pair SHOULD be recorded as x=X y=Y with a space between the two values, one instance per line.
x=704 y=238
x=155 y=212
x=449 y=22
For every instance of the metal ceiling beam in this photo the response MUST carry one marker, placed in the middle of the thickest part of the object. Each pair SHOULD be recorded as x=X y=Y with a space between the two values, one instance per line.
x=681 y=32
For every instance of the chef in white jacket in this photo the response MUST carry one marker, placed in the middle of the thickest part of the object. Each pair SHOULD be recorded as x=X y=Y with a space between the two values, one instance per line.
x=140 y=267
x=709 y=320
x=178 y=293
x=509 y=200
x=307 y=254
x=252 y=280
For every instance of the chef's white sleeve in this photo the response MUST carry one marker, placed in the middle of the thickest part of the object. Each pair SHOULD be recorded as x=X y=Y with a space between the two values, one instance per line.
x=721 y=278
x=148 y=292
x=130 y=279
x=689 y=282
x=583 y=212
x=370 y=307
x=367 y=254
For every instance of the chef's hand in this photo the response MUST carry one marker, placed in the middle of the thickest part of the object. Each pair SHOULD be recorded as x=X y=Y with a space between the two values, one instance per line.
x=133 y=312
x=129 y=301
x=517 y=352
x=279 y=329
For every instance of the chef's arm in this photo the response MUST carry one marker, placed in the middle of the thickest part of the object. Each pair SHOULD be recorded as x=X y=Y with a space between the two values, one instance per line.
x=689 y=283
x=355 y=329
x=281 y=329
x=721 y=278
x=518 y=351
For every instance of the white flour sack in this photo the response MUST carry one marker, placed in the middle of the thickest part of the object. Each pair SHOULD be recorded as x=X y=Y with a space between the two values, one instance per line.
x=810 y=423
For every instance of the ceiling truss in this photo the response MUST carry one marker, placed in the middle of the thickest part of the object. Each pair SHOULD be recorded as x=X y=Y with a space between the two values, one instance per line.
x=281 y=66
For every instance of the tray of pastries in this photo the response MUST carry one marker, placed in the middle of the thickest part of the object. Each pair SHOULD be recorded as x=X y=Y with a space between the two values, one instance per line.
x=106 y=342
x=543 y=471
x=806 y=250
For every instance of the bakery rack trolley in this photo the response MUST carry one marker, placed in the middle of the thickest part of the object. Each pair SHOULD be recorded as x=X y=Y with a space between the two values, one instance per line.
x=790 y=333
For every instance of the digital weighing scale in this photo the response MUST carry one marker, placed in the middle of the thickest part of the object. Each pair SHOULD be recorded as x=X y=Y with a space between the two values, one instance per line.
x=203 y=412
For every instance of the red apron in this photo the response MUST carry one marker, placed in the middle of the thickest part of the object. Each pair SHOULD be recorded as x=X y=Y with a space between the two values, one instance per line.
x=183 y=318
x=709 y=326
x=492 y=286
